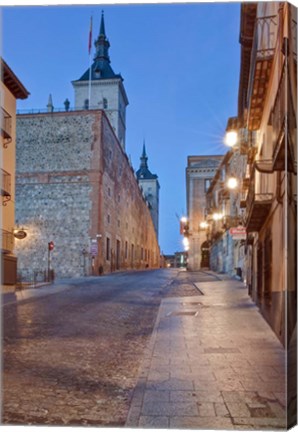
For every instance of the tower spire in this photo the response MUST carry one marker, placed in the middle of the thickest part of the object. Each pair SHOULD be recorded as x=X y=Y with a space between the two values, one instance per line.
x=144 y=157
x=102 y=44
x=102 y=31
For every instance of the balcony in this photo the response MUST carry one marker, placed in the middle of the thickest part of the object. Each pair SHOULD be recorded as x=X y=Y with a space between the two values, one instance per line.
x=258 y=206
x=5 y=186
x=6 y=127
x=284 y=127
x=265 y=36
x=7 y=241
x=231 y=222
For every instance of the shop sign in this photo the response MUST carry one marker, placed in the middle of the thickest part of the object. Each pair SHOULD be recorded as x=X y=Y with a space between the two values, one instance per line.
x=238 y=233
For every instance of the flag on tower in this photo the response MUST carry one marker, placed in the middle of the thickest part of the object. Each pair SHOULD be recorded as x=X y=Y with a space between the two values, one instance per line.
x=90 y=36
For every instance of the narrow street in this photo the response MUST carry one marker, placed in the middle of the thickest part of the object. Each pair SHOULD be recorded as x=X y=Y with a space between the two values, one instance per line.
x=72 y=357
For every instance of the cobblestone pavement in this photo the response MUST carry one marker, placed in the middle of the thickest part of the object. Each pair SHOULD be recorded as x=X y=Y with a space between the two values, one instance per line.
x=72 y=356
x=212 y=363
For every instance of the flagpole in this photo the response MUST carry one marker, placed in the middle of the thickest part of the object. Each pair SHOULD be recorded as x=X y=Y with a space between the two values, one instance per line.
x=89 y=95
x=90 y=70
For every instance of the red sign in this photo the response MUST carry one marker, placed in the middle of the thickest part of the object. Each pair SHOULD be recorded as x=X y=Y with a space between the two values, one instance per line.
x=51 y=246
x=238 y=233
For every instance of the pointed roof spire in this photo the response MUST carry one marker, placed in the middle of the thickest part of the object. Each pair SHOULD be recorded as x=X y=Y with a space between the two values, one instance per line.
x=102 y=31
x=144 y=172
x=144 y=157
x=101 y=68
x=50 y=105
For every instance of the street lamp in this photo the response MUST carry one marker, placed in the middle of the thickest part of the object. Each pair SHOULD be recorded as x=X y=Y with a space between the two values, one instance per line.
x=185 y=243
x=232 y=183
x=231 y=138
x=203 y=225
x=217 y=216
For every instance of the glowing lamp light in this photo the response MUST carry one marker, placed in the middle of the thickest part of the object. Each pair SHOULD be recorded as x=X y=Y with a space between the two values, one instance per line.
x=217 y=216
x=185 y=241
x=203 y=225
x=232 y=183
x=183 y=219
x=231 y=138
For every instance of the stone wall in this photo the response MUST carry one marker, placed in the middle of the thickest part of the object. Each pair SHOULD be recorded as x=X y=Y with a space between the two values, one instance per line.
x=125 y=215
x=75 y=187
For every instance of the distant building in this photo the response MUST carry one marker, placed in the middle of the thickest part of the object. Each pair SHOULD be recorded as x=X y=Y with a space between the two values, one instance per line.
x=11 y=89
x=178 y=260
x=225 y=232
x=150 y=187
x=199 y=173
x=76 y=187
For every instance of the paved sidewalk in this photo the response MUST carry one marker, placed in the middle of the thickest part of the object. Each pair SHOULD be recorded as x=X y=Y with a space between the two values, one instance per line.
x=212 y=363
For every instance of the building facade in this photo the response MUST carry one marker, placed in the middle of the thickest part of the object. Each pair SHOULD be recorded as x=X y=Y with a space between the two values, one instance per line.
x=267 y=110
x=225 y=230
x=199 y=173
x=79 y=200
x=150 y=187
x=11 y=90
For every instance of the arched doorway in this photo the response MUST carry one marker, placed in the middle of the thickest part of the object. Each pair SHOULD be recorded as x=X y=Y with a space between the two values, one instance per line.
x=205 y=254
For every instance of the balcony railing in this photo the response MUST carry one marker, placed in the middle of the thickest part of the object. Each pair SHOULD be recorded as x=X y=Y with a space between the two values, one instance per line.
x=294 y=38
x=258 y=206
x=5 y=186
x=231 y=221
x=284 y=127
x=264 y=43
x=7 y=241
x=6 y=127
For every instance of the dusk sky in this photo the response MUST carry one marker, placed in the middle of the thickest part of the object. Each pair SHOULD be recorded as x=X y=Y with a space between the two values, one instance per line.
x=180 y=64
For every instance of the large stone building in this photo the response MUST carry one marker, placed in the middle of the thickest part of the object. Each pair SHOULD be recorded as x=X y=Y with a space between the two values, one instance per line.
x=77 y=189
x=150 y=186
x=11 y=90
x=199 y=173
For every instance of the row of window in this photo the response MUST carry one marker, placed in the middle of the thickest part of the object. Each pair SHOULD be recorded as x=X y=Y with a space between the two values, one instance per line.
x=133 y=252
x=103 y=104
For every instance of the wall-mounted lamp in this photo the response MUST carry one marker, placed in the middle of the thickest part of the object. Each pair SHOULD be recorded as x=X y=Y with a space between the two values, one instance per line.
x=232 y=183
x=217 y=216
x=20 y=233
x=231 y=138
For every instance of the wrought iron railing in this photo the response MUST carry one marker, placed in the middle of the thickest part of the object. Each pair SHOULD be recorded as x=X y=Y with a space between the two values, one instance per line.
x=231 y=221
x=284 y=120
x=263 y=46
x=60 y=109
x=6 y=126
x=254 y=198
x=5 y=184
x=294 y=38
x=7 y=241
x=279 y=111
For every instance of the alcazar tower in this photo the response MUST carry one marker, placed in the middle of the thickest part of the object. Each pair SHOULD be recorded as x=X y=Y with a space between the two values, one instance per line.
x=101 y=88
x=75 y=186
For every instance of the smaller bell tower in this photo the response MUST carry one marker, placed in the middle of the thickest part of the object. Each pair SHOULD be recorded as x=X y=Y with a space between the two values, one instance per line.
x=103 y=87
x=150 y=185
